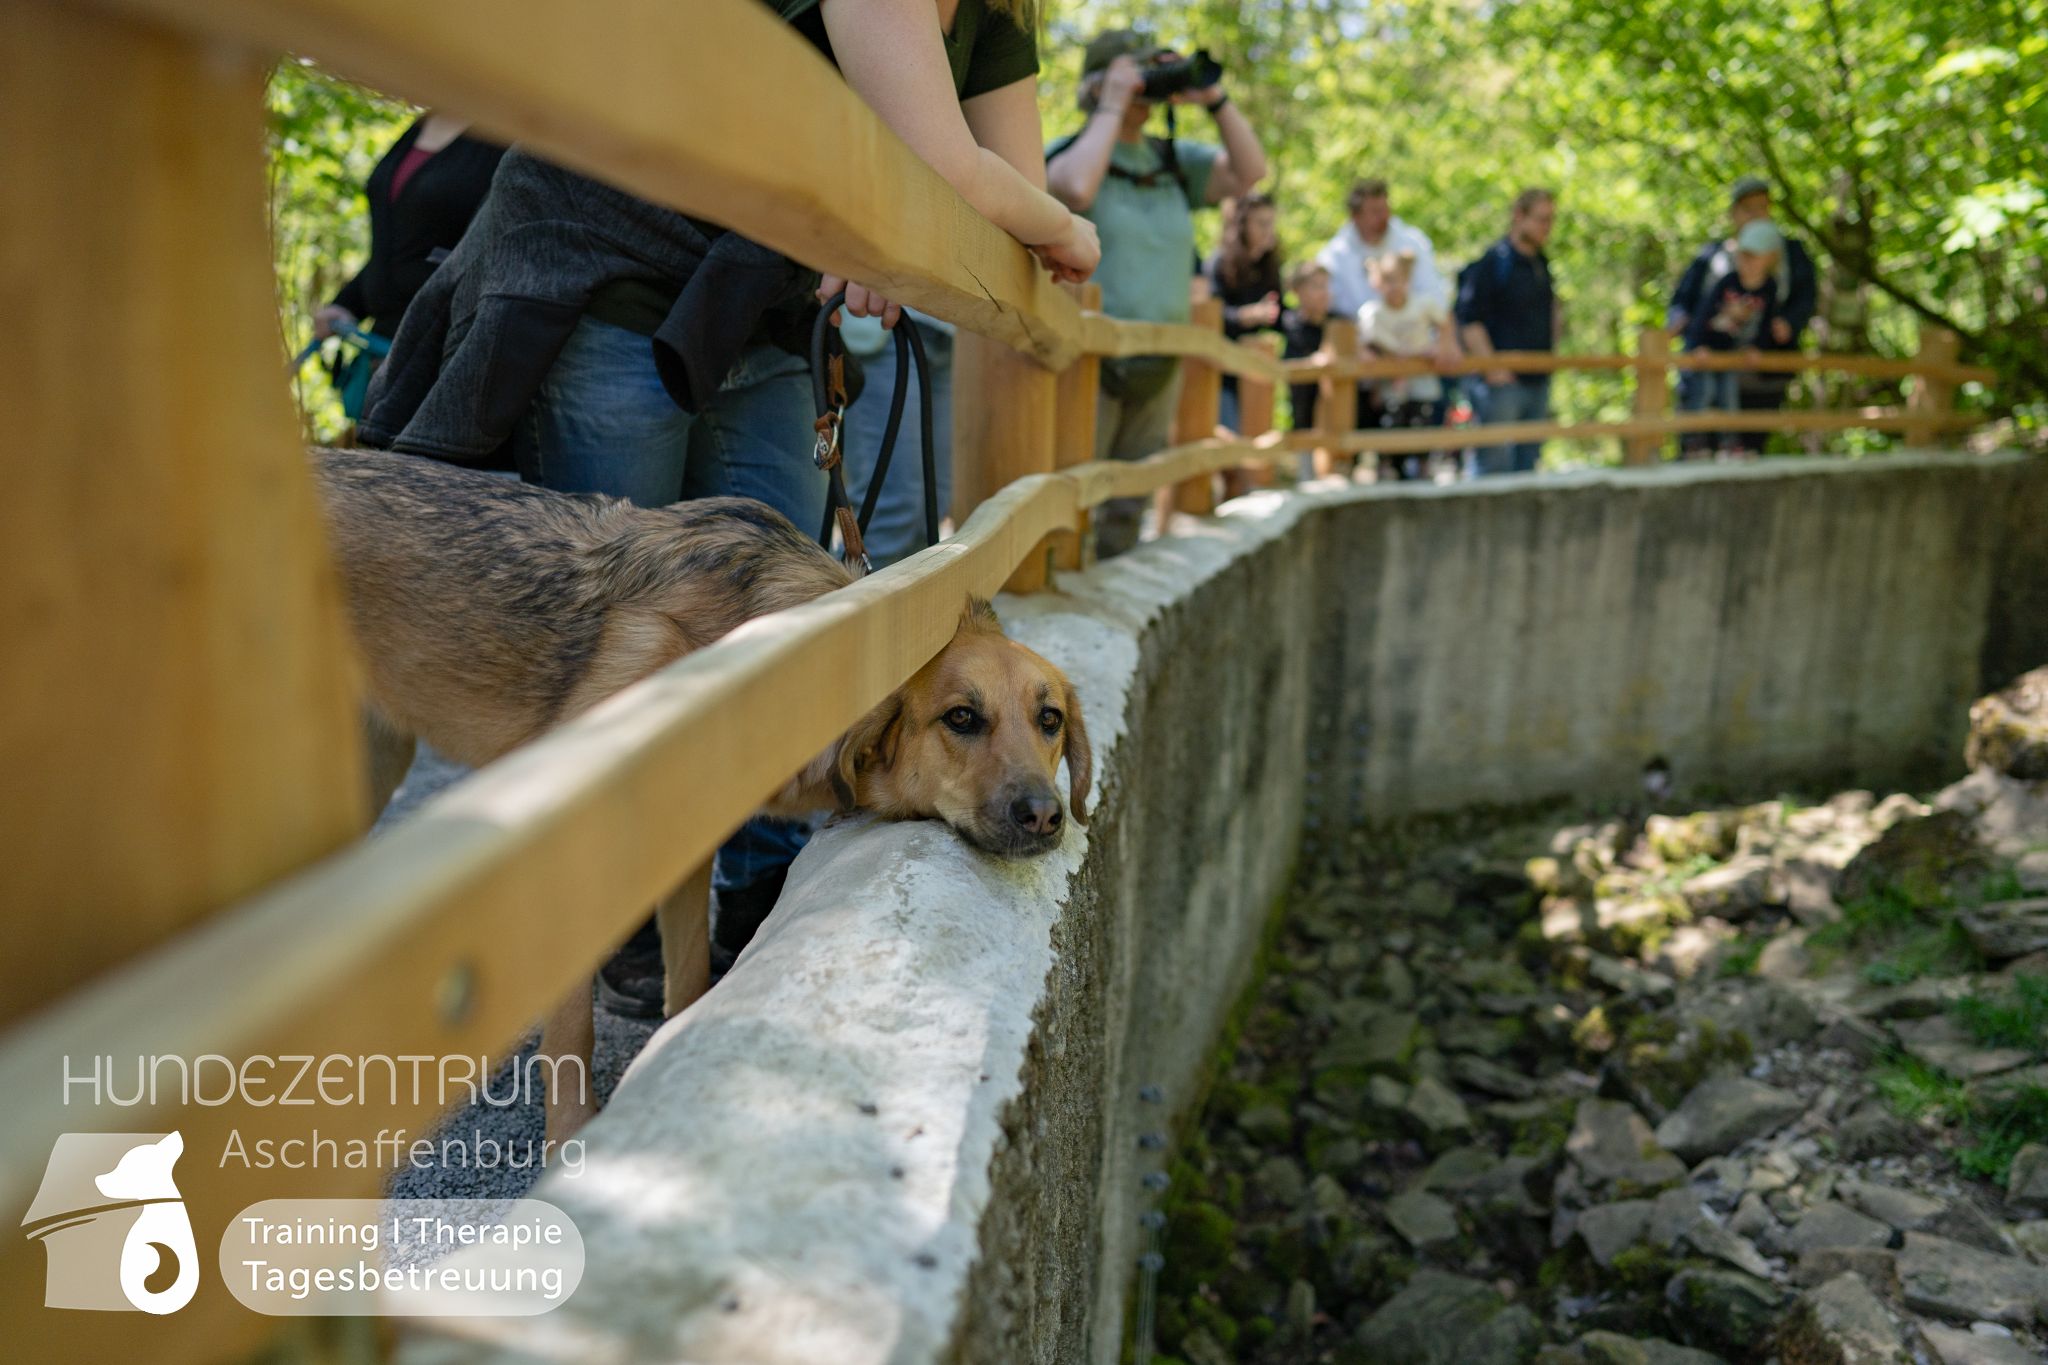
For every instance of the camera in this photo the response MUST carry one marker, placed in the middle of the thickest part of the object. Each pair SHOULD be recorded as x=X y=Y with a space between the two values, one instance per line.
x=1197 y=71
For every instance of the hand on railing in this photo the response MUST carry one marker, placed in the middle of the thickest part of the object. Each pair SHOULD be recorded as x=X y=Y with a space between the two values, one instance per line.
x=1072 y=257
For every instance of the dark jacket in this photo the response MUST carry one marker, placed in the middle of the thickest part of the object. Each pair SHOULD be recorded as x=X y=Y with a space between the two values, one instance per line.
x=485 y=330
x=1702 y=333
x=429 y=215
x=1303 y=339
x=1511 y=296
x=1798 y=289
x=1261 y=280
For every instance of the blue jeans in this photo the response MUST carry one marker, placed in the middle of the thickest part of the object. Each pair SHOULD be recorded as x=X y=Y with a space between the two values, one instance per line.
x=603 y=423
x=1524 y=400
x=1709 y=390
x=897 y=531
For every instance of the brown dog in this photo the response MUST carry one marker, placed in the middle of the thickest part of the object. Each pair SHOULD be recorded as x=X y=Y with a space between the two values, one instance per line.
x=489 y=611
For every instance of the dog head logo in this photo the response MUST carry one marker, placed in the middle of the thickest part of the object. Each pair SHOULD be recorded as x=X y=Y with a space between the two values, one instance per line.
x=113 y=1226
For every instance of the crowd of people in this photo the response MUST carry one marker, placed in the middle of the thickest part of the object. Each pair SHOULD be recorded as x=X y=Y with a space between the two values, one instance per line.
x=548 y=324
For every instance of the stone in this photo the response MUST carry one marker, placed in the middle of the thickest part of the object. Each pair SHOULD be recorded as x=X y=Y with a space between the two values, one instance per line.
x=1459 y=1169
x=1492 y=1077
x=1619 y=976
x=1202 y=1349
x=1807 y=887
x=1280 y=1181
x=1752 y=1217
x=2009 y=729
x=1875 y=1266
x=1723 y=1112
x=1918 y=857
x=1301 y=1307
x=1610 y=1229
x=1423 y=1220
x=1712 y=1240
x=1327 y=1197
x=1872 y=1130
x=1942 y=1044
x=2031 y=1237
x=2027 y=1186
x=1443 y=1319
x=1266 y=1124
x=1785 y=958
x=1735 y=890
x=1384 y=1092
x=2005 y=930
x=1864 y=1041
x=1842 y=1323
x=1612 y=1146
x=1612 y=1348
x=1894 y=1207
x=1768 y=1013
x=1385 y=1040
x=1834 y=1224
x=1437 y=1108
x=1950 y=1279
x=1724 y=1309
x=1958 y=1346
x=1962 y=1221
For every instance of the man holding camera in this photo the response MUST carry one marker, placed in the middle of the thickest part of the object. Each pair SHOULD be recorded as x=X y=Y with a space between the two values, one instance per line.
x=1141 y=193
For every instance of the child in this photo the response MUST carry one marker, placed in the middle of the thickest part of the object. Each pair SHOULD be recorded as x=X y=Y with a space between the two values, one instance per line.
x=1734 y=312
x=1401 y=323
x=1302 y=326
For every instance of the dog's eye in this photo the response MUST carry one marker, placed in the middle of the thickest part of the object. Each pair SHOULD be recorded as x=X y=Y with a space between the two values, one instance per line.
x=1049 y=720
x=961 y=720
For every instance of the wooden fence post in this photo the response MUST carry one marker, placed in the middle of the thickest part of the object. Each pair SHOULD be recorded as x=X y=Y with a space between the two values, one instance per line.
x=178 y=720
x=1076 y=393
x=1004 y=428
x=1255 y=398
x=1933 y=395
x=1337 y=403
x=1201 y=393
x=1653 y=393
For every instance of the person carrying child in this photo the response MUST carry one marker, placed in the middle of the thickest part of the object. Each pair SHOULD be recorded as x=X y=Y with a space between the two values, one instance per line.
x=1405 y=322
x=1735 y=313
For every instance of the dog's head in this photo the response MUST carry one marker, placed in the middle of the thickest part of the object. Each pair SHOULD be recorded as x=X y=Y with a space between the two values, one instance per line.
x=975 y=738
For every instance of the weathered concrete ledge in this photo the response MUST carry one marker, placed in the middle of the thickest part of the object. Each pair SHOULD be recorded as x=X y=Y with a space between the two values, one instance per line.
x=905 y=1128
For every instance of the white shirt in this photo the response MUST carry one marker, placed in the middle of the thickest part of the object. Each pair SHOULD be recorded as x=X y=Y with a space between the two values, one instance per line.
x=1409 y=330
x=1346 y=255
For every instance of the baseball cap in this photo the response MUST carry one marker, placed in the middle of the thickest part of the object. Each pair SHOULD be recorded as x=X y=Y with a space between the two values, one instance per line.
x=1748 y=185
x=1759 y=236
x=1107 y=46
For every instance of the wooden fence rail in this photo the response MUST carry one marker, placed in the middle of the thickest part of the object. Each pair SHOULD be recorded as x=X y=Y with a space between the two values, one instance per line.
x=182 y=781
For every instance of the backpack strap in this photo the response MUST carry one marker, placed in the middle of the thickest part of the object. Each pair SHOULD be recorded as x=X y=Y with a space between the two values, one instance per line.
x=1162 y=147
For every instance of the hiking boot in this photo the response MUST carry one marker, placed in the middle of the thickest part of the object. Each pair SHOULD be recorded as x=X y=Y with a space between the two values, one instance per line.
x=737 y=914
x=631 y=985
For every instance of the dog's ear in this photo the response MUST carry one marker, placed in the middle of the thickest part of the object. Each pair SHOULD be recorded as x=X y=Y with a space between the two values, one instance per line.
x=869 y=745
x=979 y=614
x=1080 y=757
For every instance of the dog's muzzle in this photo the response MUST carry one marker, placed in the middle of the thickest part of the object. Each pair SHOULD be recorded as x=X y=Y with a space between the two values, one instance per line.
x=1019 y=822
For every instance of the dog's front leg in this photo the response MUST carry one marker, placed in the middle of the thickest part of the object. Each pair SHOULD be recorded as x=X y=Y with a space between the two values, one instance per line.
x=684 y=917
x=566 y=1041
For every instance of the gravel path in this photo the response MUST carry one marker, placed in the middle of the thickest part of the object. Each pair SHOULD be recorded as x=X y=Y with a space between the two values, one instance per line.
x=486 y=1150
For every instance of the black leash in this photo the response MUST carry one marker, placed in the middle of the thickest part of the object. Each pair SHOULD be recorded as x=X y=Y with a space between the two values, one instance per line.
x=828 y=391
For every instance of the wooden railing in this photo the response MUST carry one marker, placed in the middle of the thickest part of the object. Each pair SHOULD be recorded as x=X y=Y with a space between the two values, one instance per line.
x=182 y=796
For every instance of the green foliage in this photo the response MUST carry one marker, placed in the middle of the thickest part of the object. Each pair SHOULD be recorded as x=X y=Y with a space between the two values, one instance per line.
x=1904 y=138
x=1992 y=1127
x=325 y=137
x=2016 y=1017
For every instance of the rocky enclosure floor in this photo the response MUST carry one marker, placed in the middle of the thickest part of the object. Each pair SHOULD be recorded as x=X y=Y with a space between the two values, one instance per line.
x=1761 y=1083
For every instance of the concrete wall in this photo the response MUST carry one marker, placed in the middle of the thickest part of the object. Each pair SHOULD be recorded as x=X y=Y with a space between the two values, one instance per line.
x=905 y=1129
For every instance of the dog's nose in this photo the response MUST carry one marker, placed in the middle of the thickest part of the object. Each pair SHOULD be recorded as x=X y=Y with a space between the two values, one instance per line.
x=1037 y=814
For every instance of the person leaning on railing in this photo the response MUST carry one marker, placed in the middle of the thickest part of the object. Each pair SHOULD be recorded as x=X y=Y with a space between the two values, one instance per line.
x=1244 y=272
x=1798 y=292
x=1506 y=303
x=1142 y=192
x=621 y=347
